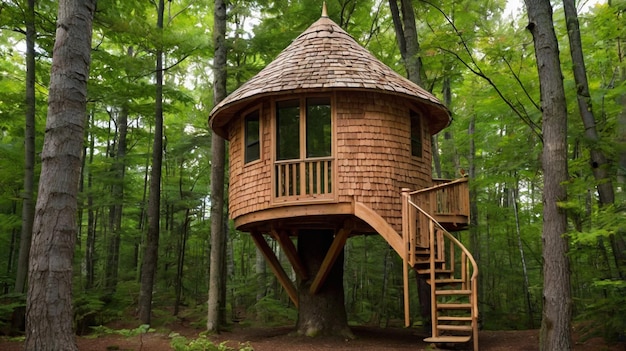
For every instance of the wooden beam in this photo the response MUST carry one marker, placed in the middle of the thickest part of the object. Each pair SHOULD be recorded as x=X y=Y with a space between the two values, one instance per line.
x=291 y=252
x=278 y=270
x=331 y=257
x=304 y=208
x=405 y=280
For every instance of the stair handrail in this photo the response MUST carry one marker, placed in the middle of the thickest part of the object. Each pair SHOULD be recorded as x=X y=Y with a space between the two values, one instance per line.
x=452 y=238
x=468 y=256
x=442 y=205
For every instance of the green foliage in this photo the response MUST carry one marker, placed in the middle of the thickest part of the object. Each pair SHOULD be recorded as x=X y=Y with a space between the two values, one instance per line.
x=202 y=343
x=604 y=316
x=142 y=329
x=272 y=312
x=454 y=38
x=8 y=304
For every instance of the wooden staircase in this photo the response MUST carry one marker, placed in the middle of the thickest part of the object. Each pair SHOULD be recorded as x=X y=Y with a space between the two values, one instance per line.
x=428 y=216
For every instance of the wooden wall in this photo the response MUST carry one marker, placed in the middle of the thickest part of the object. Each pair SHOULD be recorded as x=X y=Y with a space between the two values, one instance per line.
x=249 y=184
x=373 y=157
x=374 y=152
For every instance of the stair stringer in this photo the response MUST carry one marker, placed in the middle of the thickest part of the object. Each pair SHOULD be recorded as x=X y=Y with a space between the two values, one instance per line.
x=469 y=283
x=395 y=240
x=381 y=226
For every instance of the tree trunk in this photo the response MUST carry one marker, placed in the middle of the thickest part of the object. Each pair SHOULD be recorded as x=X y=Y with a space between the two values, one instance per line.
x=621 y=169
x=518 y=230
x=90 y=246
x=599 y=162
x=260 y=269
x=150 y=258
x=406 y=32
x=29 y=153
x=557 y=305
x=216 y=304
x=49 y=317
x=323 y=313
x=115 y=210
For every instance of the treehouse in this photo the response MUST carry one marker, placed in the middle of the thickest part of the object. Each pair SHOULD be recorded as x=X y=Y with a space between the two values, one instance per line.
x=328 y=137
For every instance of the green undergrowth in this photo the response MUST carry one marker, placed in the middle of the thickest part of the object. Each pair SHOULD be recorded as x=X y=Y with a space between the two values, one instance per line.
x=202 y=343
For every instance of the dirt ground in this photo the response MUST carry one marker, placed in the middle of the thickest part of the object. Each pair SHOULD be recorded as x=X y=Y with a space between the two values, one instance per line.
x=280 y=338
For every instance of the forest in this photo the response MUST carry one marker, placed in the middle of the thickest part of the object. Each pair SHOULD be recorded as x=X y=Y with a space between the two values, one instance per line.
x=477 y=58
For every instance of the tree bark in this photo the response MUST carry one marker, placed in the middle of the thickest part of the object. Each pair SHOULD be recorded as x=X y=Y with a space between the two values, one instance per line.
x=150 y=258
x=49 y=316
x=406 y=32
x=28 y=209
x=115 y=210
x=599 y=162
x=557 y=305
x=90 y=245
x=323 y=313
x=217 y=288
x=260 y=269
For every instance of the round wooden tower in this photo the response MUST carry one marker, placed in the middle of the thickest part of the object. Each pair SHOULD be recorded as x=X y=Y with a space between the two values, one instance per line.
x=326 y=141
x=324 y=126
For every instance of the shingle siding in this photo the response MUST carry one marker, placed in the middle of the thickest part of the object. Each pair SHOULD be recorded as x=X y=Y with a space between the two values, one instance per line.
x=373 y=157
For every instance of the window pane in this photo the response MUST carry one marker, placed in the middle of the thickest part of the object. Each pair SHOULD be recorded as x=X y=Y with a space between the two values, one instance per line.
x=253 y=146
x=288 y=130
x=318 y=127
x=416 y=135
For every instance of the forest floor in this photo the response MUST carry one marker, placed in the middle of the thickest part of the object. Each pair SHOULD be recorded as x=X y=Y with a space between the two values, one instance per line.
x=280 y=338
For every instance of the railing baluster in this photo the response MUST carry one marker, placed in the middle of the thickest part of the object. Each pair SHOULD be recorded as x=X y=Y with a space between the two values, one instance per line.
x=302 y=179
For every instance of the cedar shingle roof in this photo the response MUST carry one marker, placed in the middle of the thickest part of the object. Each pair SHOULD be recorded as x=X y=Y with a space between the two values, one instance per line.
x=325 y=58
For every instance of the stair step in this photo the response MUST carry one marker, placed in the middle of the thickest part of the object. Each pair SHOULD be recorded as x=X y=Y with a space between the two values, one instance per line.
x=454 y=306
x=448 y=281
x=437 y=271
x=422 y=251
x=454 y=319
x=454 y=327
x=452 y=292
x=448 y=339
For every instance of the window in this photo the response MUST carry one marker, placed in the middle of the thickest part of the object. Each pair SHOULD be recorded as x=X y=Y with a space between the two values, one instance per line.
x=288 y=130
x=252 y=137
x=416 y=134
x=317 y=128
x=304 y=165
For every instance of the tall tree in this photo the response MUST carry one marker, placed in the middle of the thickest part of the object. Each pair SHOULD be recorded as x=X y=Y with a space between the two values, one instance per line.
x=29 y=151
x=217 y=284
x=49 y=315
x=150 y=258
x=599 y=163
x=557 y=304
x=117 y=193
x=323 y=312
x=406 y=32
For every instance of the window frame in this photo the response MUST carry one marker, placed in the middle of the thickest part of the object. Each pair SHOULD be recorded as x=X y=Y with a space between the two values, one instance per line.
x=245 y=145
x=303 y=198
x=415 y=115
x=302 y=120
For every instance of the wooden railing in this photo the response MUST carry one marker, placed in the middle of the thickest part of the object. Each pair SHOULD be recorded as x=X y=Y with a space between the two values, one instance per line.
x=427 y=241
x=303 y=179
x=447 y=201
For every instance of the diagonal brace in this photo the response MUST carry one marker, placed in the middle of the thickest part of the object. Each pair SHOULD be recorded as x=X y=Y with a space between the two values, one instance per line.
x=278 y=270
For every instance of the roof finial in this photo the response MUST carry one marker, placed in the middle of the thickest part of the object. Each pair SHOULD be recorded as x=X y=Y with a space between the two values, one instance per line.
x=324 y=11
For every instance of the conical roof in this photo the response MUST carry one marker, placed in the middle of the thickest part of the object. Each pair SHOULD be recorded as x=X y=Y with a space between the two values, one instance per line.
x=325 y=58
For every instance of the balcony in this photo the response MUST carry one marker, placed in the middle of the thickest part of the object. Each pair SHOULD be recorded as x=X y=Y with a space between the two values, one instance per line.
x=447 y=201
x=298 y=180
